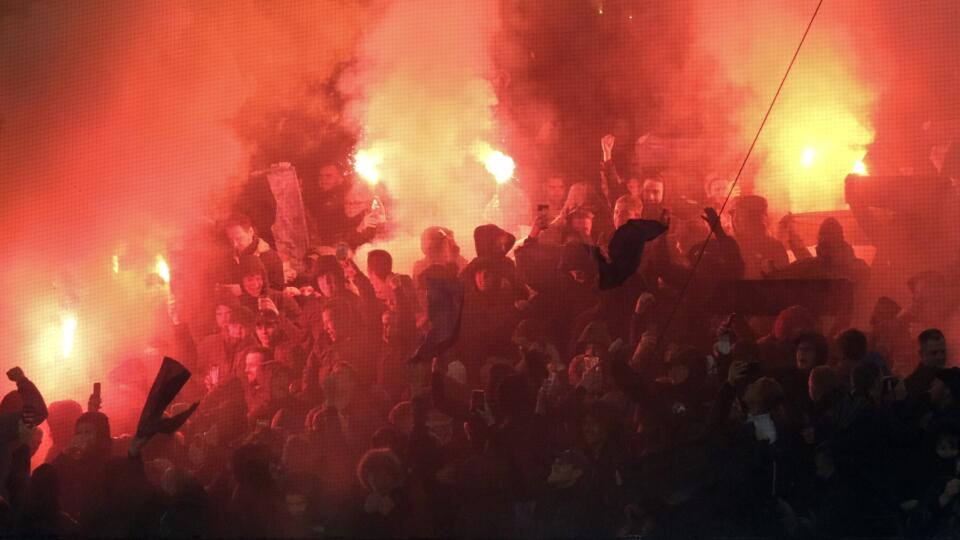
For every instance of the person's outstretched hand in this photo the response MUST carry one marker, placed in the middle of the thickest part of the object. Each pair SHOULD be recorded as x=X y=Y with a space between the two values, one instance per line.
x=713 y=220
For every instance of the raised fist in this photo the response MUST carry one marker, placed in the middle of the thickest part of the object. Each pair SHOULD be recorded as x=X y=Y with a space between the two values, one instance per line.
x=606 y=143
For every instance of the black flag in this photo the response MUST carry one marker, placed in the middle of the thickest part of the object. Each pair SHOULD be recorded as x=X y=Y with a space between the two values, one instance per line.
x=170 y=379
x=626 y=247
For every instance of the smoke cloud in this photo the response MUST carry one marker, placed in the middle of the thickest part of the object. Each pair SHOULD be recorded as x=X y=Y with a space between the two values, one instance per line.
x=421 y=98
x=126 y=126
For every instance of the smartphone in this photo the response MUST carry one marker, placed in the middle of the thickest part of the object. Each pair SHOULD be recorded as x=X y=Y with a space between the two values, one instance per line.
x=96 y=390
x=478 y=399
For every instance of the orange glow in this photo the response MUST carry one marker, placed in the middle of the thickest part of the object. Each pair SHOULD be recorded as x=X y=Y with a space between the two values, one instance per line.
x=367 y=163
x=860 y=168
x=115 y=264
x=162 y=269
x=68 y=323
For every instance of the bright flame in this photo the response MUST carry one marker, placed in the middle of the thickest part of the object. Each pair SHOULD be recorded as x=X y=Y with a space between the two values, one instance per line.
x=501 y=166
x=808 y=156
x=116 y=264
x=162 y=269
x=860 y=168
x=68 y=324
x=498 y=164
x=366 y=163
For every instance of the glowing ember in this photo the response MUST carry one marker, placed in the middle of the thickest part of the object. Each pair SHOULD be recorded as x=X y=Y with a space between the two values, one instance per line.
x=162 y=269
x=808 y=156
x=366 y=163
x=68 y=324
x=116 y=264
x=860 y=168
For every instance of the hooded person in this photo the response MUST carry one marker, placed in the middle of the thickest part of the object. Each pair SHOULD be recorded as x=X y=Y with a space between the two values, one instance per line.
x=577 y=294
x=776 y=347
x=63 y=417
x=835 y=258
x=758 y=249
x=492 y=245
x=489 y=316
x=82 y=464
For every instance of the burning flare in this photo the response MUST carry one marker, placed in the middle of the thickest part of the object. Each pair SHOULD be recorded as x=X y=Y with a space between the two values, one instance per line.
x=860 y=168
x=162 y=269
x=498 y=164
x=367 y=164
x=808 y=157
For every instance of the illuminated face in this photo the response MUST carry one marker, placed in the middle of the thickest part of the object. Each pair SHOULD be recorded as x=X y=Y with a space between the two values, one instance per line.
x=563 y=475
x=806 y=356
x=592 y=431
x=934 y=353
x=296 y=504
x=556 y=191
x=85 y=436
x=330 y=178
x=240 y=238
x=717 y=190
x=253 y=366
x=652 y=192
x=582 y=224
x=252 y=285
x=265 y=332
x=236 y=331
x=947 y=446
x=624 y=212
x=330 y=325
x=223 y=317
x=635 y=187
x=486 y=281
x=325 y=283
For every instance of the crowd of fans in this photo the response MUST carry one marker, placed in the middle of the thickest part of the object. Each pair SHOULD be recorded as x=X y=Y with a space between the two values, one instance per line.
x=562 y=408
